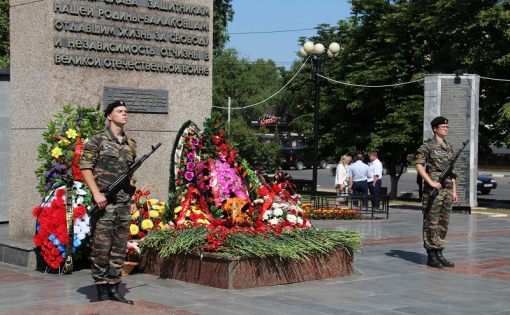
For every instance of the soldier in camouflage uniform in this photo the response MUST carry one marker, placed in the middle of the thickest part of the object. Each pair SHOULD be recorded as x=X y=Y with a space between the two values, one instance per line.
x=431 y=160
x=106 y=156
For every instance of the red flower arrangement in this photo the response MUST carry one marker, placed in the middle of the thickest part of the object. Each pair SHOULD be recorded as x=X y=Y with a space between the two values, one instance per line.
x=52 y=236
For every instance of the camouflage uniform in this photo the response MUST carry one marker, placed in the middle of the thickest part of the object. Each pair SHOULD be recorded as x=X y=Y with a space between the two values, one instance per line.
x=109 y=158
x=435 y=157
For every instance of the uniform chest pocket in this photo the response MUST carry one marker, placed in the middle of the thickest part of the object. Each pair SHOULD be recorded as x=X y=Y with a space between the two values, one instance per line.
x=127 y=156
x=438 y=154
x=108 y=152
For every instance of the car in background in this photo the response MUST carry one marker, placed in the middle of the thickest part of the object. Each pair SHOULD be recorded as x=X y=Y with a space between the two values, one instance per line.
x=298 y=153
x=485 y=183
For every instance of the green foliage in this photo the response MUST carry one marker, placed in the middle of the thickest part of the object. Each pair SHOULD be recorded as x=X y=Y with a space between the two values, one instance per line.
x=294 y=244
x=246 y=83
x=251 y=148
x=223 y=13
x=4 y=34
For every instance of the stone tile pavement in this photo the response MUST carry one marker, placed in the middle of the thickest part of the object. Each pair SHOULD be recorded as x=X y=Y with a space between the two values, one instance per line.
x=390 y=278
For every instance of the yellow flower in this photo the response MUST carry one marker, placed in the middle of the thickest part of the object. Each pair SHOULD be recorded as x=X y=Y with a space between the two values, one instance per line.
x=64 y=142
x=158 y=208
x=133 y=229
x=177 y=209
x=153 y=214
x=203 y=221
x=71 y=133
x=135 y=215
x=153 y=201
x=147 y=224
x=56 y=152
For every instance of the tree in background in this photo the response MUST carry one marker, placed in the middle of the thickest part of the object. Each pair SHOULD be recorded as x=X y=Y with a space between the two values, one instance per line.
x=4 y=34
x=385 y=42
x=247 y=83
x=259 y=155
x=223 y=13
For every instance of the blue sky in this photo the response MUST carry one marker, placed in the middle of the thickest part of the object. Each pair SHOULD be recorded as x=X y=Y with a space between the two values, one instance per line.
x=276 y=15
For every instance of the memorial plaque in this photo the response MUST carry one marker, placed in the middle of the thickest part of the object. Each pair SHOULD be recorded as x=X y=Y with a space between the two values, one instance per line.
x=149 y=101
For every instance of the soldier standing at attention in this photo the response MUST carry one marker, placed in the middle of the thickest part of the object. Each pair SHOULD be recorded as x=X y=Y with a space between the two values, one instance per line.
x=106 y=156
x=431 y=159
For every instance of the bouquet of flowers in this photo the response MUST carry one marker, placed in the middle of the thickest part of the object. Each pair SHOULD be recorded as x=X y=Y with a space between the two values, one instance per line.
x=148 y=216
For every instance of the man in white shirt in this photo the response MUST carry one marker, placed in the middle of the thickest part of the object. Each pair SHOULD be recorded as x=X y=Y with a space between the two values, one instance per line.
x=359 y=173
x=374 y=186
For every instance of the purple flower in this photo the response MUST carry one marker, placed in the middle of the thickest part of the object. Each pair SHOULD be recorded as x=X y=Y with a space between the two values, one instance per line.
x=191 y=157
x=194 y=141
x=189 y=176
x=190 y=166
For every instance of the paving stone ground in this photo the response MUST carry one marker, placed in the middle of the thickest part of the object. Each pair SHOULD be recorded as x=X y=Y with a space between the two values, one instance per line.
x=390 y=278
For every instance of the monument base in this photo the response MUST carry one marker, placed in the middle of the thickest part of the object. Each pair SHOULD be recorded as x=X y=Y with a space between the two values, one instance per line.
x=239 y=273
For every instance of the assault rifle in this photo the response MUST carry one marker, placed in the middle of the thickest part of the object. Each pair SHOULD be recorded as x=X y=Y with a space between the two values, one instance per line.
x=446 y=172
x=123 y=181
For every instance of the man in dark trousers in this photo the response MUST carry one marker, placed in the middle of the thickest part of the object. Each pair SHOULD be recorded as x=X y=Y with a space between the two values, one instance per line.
x=106 y=156
x=432 y=158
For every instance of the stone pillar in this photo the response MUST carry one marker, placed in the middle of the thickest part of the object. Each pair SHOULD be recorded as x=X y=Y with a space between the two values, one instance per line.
x=5 y=113
x=457 y=98
x=155 y=54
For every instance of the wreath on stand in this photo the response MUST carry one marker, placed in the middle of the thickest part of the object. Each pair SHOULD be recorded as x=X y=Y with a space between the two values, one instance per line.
x=62 y=221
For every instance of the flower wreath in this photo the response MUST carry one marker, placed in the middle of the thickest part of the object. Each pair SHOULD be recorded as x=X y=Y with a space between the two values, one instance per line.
x=59 y=154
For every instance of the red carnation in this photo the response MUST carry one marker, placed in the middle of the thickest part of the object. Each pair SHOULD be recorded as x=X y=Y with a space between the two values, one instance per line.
x=79 y=212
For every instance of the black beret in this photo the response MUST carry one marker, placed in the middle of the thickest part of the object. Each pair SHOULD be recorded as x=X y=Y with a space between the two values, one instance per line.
x=438 y=121
x=108 y=110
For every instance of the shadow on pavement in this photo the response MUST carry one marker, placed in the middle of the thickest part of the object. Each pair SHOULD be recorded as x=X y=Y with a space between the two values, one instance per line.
x=89 y=291
x=414 y=257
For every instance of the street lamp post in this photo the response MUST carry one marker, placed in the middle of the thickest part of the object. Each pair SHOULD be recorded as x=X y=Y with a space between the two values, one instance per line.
x=316 y=51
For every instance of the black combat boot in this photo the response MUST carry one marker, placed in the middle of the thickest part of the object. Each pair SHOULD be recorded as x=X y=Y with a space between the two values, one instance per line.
x=433 y=260
x=115 y=295
x=445 y=262
x=103 y=292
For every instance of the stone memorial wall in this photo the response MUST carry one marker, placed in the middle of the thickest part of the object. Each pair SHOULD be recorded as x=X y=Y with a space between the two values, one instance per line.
x=154 y=54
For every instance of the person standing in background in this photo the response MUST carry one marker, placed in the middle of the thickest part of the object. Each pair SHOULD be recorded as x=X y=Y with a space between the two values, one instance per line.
x=376 y=171
x=342 y=179
x=359 y=173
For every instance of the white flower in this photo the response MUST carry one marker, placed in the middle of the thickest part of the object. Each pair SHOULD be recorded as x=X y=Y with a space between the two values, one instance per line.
x=278 y=212
x=81 y=236
x=85 y=229
x=300 y=221
x=274 y=221
x=266 y=215
x=291 y=218
x=308 y=224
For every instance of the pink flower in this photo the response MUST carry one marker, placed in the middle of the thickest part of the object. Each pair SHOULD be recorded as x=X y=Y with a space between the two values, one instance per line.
x=190 y=166
x=189 y=176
